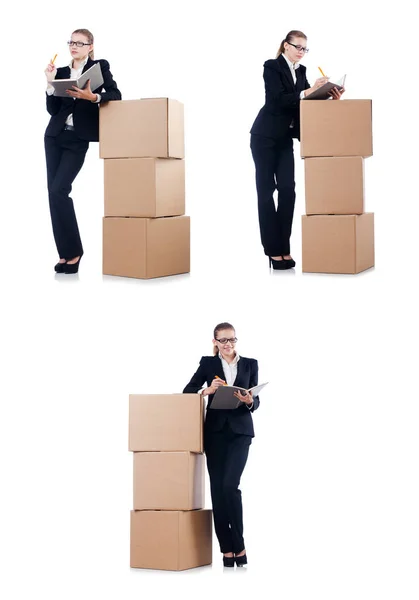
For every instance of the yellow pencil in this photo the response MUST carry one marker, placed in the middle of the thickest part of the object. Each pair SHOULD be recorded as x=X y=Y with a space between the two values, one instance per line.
x=53 y=60
x=216 y=377
x=321 y=71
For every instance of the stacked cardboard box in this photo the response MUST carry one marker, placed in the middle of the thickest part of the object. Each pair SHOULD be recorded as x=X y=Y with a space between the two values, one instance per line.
x=145 y=231
x=336 y=137
x=170 y=529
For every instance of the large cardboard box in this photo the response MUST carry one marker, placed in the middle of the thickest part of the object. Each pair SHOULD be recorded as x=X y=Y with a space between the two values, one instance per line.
x=169 y=481
x=146 y=248
x=338 y=243
x=334 y=186
x=150 y=127
x=171 y=540
x=336 y=128
x=144 y=187
x=166 y=422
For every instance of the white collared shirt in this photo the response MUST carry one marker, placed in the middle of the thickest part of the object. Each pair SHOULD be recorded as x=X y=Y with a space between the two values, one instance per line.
x=230 y=369
x=74 y=74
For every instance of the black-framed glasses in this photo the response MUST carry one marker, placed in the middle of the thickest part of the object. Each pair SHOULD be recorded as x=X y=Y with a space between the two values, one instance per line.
x=78 y=44
x=299 y=48
x=225 y=340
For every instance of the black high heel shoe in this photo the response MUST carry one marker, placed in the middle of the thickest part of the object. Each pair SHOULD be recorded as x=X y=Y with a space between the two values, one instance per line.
x=71 y=269
x=278 y=265
x=241 y=560
x=59 y=267
x=228 y=561
x=290 y=262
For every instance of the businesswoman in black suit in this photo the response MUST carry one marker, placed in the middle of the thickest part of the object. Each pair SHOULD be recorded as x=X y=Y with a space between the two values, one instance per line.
x=227 y=437
x=271 y=142
x=74 y=123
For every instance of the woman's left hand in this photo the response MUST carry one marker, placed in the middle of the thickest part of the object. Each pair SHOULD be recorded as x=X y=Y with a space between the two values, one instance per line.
x=84 y=94
x=336 y=94
x=247 y=399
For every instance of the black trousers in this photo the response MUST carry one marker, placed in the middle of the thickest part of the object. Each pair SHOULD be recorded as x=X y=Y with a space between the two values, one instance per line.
x=227 y=454
x=65 y=156
x=274 y=162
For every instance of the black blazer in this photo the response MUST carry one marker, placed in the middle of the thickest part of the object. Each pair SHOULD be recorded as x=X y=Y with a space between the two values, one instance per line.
x=239 y=419
x=85 y=113
x=282 y=100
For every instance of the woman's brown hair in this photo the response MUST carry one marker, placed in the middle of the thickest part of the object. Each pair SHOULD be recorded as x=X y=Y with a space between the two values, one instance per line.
x=218 y=328
x=89 y=35
x=289 y=37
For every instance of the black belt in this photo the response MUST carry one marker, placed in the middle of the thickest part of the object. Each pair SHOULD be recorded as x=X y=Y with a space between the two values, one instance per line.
x=69 y=127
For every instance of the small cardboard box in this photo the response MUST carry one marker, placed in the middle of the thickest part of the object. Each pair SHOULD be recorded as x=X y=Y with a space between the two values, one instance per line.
x=336 y=128
x=150 y=127
x=338 y=243
x=334 y=186
x=144 y=187
x=146 y=248
x=171 y=540
x=169 y=481
x=166 y=422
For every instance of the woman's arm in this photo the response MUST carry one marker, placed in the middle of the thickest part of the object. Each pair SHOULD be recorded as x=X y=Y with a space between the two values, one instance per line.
x=111 y=89
x=197 y=381
x=254 y=381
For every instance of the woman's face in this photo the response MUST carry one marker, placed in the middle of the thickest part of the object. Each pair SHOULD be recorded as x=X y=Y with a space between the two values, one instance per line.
x=295 y=54
x=77 y=51
x=225 y=341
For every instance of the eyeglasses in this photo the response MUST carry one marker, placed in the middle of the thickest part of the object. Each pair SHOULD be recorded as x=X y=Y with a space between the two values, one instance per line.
x=78 y=44
x=225 y=340
x=299 y=48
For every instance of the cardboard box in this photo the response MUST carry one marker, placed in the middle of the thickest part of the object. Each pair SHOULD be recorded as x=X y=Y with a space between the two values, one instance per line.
x=150 y=127
x=166 y=422
x=336 y=128
x=334 y=186
x=171 y=540
x=144 y=187
x=146 y=248
x=338 y=243
x=169 y=481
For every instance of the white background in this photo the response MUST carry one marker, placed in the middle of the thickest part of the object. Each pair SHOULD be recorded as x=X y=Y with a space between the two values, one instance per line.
x=331 y=490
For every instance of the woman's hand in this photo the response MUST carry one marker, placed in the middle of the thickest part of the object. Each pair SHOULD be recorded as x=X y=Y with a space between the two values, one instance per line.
x=319 y=82
x=336 y=94
x=50 y=72
x=84 y=94
x=215 y=383
x=247 y=397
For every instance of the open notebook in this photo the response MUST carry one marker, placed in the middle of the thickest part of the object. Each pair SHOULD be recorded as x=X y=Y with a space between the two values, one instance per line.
x=224 y=397
x=323 y=92
x=94 y=74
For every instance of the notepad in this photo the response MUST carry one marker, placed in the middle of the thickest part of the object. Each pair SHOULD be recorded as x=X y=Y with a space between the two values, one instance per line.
x=323 y=92
x=94 y=74
x=224 y=397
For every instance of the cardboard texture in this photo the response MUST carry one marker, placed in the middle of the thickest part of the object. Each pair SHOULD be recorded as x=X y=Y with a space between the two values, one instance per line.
x=169 y=481
x=150 y=127
x=166 y=423
x=334 y=186
x=338 y=243
x=336 y=128
x=146 y=248
x=171 y=540
x=144 y=187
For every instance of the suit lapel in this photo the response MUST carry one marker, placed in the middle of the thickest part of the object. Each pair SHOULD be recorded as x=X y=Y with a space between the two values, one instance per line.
x=218 y=367
x=88 y=64
x=283 y=66
x=300 y=79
